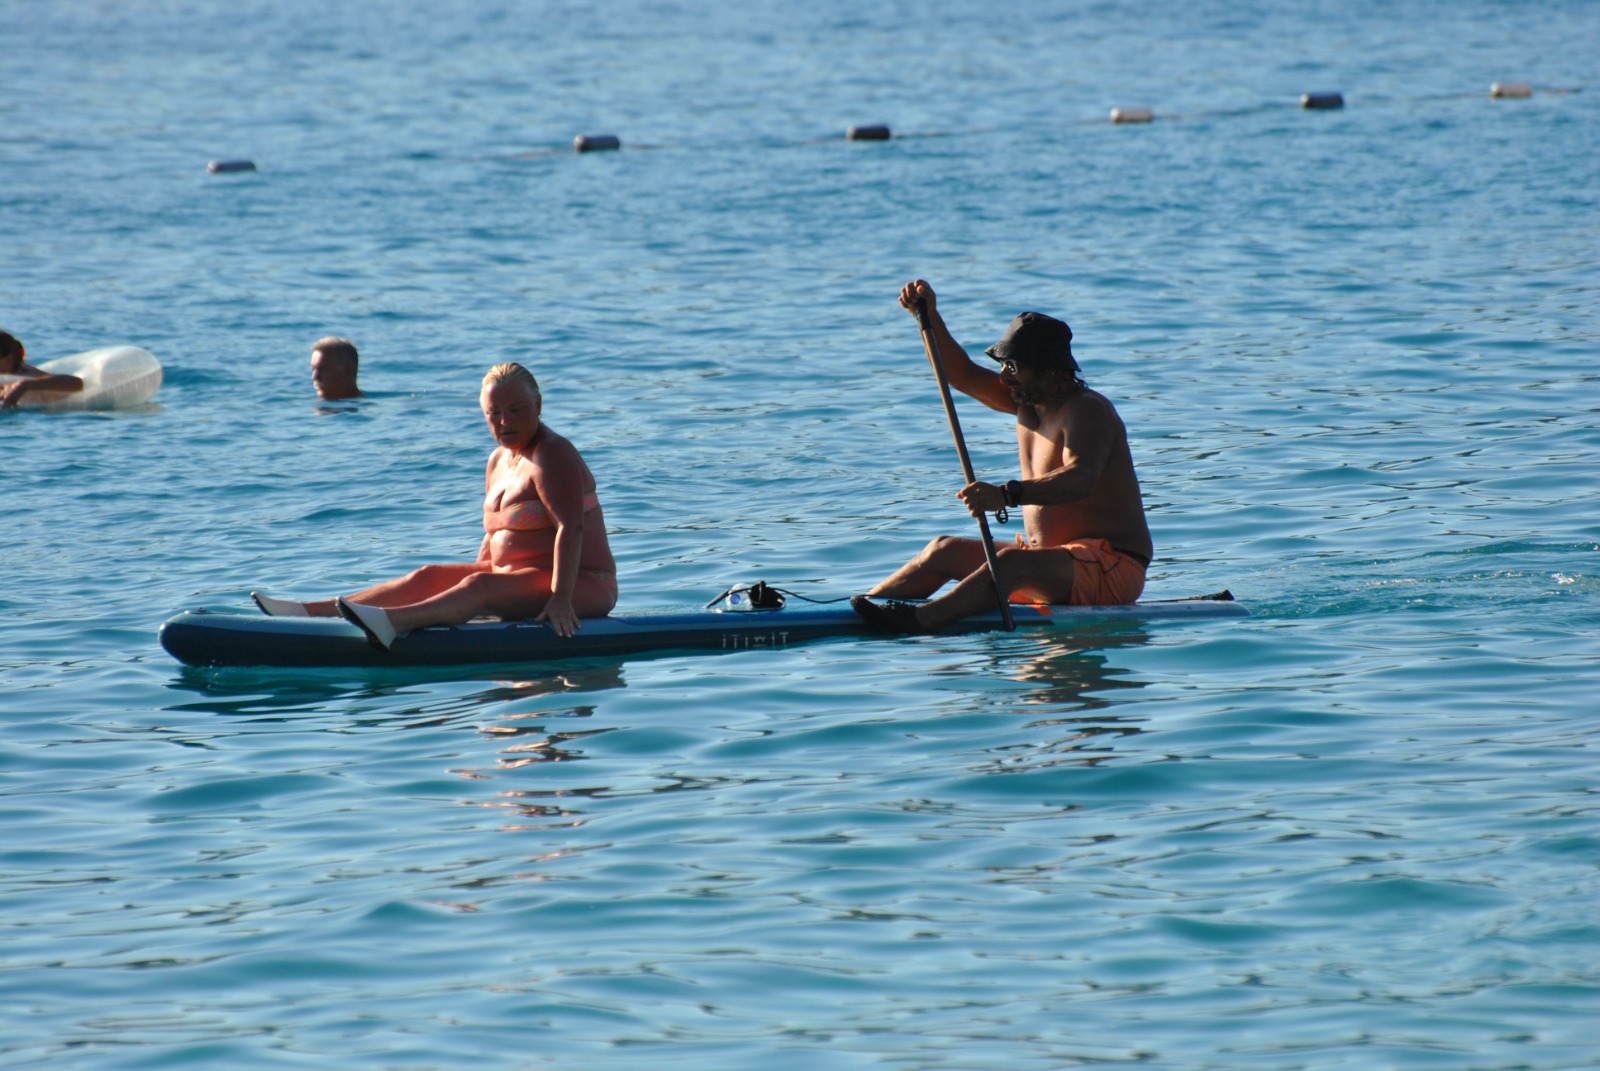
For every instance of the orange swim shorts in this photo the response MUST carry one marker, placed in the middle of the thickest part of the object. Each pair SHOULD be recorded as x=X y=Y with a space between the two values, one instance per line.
x=1101 y=575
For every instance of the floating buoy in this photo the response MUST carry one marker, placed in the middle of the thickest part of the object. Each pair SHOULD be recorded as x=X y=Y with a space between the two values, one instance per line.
x=1321 y=101
x=596 y=142
x=1132 y=115
x=219 y=167
x=1511 y=90
x=867 y=133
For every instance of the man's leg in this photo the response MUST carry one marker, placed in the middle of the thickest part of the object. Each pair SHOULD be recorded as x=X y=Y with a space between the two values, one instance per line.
x=945 y=559
x=1045 y=575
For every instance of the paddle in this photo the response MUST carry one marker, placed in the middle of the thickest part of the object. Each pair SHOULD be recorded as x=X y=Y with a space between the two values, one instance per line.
x=931 y=344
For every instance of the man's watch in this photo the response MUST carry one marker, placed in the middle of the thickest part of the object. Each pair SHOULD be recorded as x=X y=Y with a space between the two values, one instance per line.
x=1012 y=493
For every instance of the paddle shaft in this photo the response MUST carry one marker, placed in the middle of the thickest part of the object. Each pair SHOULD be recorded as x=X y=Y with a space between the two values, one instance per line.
x=931 y=343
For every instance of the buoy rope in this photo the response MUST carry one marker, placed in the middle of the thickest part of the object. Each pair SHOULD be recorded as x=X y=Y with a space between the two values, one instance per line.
x=1327 y=101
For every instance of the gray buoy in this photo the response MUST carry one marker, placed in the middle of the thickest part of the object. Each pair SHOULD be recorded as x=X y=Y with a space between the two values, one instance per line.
x=220 y=167
x=1511 y=90
x=867 y=133
x=1322 y=101
x=1132 y=115
x=596 y=142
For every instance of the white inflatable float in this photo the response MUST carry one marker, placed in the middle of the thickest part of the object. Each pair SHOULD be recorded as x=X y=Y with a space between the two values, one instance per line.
x=113 y=378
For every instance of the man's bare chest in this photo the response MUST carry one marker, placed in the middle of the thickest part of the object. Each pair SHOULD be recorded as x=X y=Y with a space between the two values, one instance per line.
x=1039 y=443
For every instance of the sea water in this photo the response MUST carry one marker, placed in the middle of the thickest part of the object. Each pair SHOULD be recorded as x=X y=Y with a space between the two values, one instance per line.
x=1356 y=351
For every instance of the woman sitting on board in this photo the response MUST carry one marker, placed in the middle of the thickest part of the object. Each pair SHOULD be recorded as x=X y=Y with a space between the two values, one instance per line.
x=13 y=362
x=544 y=554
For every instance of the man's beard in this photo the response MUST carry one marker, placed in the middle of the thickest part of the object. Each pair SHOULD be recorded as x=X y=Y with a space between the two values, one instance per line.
x=1047 y=388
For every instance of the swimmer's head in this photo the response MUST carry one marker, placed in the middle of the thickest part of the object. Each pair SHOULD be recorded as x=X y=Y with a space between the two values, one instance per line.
x=511 y=372
x=334 y=366
x=12 y=355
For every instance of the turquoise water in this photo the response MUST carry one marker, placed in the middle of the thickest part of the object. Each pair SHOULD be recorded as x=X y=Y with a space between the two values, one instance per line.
x=1356 y=351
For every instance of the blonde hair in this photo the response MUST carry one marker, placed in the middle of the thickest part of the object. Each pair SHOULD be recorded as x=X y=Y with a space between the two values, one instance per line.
x=511 y=372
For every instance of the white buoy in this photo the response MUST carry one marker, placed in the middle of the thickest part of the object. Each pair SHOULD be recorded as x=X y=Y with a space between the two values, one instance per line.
x=1132 y=115
x=868 y=133
x=596 y=142
x=1511 y=90
x=221 y=167
x=1321 y=101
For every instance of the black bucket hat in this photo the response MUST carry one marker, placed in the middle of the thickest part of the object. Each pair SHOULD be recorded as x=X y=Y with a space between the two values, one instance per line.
x=1037 y=339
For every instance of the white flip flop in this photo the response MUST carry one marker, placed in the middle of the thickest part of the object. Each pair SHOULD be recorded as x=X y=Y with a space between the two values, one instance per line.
x=373 y=620
x=278 y=607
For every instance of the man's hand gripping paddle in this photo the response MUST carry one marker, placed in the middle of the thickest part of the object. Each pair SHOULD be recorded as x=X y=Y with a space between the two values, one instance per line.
x=931 y=344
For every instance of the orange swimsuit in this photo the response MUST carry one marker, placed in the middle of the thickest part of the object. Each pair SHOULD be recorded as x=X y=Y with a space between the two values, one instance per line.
x=533 y=517
x=1102 y=575
x=527 y=516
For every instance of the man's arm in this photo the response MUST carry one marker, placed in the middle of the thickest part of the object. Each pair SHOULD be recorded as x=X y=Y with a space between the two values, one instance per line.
x=1086 y=446
x=965 y=376
x=1085 y=449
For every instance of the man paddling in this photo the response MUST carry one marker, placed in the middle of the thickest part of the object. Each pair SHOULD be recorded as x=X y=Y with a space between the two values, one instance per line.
x=1087 y=540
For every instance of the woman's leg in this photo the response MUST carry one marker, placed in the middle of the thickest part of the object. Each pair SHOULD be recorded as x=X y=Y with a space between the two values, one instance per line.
x=515 y=595
x=416 y=586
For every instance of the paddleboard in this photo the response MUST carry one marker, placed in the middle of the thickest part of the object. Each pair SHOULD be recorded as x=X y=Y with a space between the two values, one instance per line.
x=114 y=377
x=229 y=637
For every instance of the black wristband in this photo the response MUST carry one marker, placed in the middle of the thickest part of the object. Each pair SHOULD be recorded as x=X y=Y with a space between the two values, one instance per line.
x=1012 y=492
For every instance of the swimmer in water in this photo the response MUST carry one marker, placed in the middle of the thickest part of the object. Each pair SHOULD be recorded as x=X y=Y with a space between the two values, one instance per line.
x=13 y=362
x=334 y=367
x=544 y=553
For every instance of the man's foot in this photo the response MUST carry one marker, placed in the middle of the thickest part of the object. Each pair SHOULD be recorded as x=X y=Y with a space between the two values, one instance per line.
x=279 y=607
x=373 y=620
x=891 y=615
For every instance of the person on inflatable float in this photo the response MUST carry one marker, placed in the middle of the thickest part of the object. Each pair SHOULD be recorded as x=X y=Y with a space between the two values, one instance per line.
x=13 y=362
x=544 y=553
